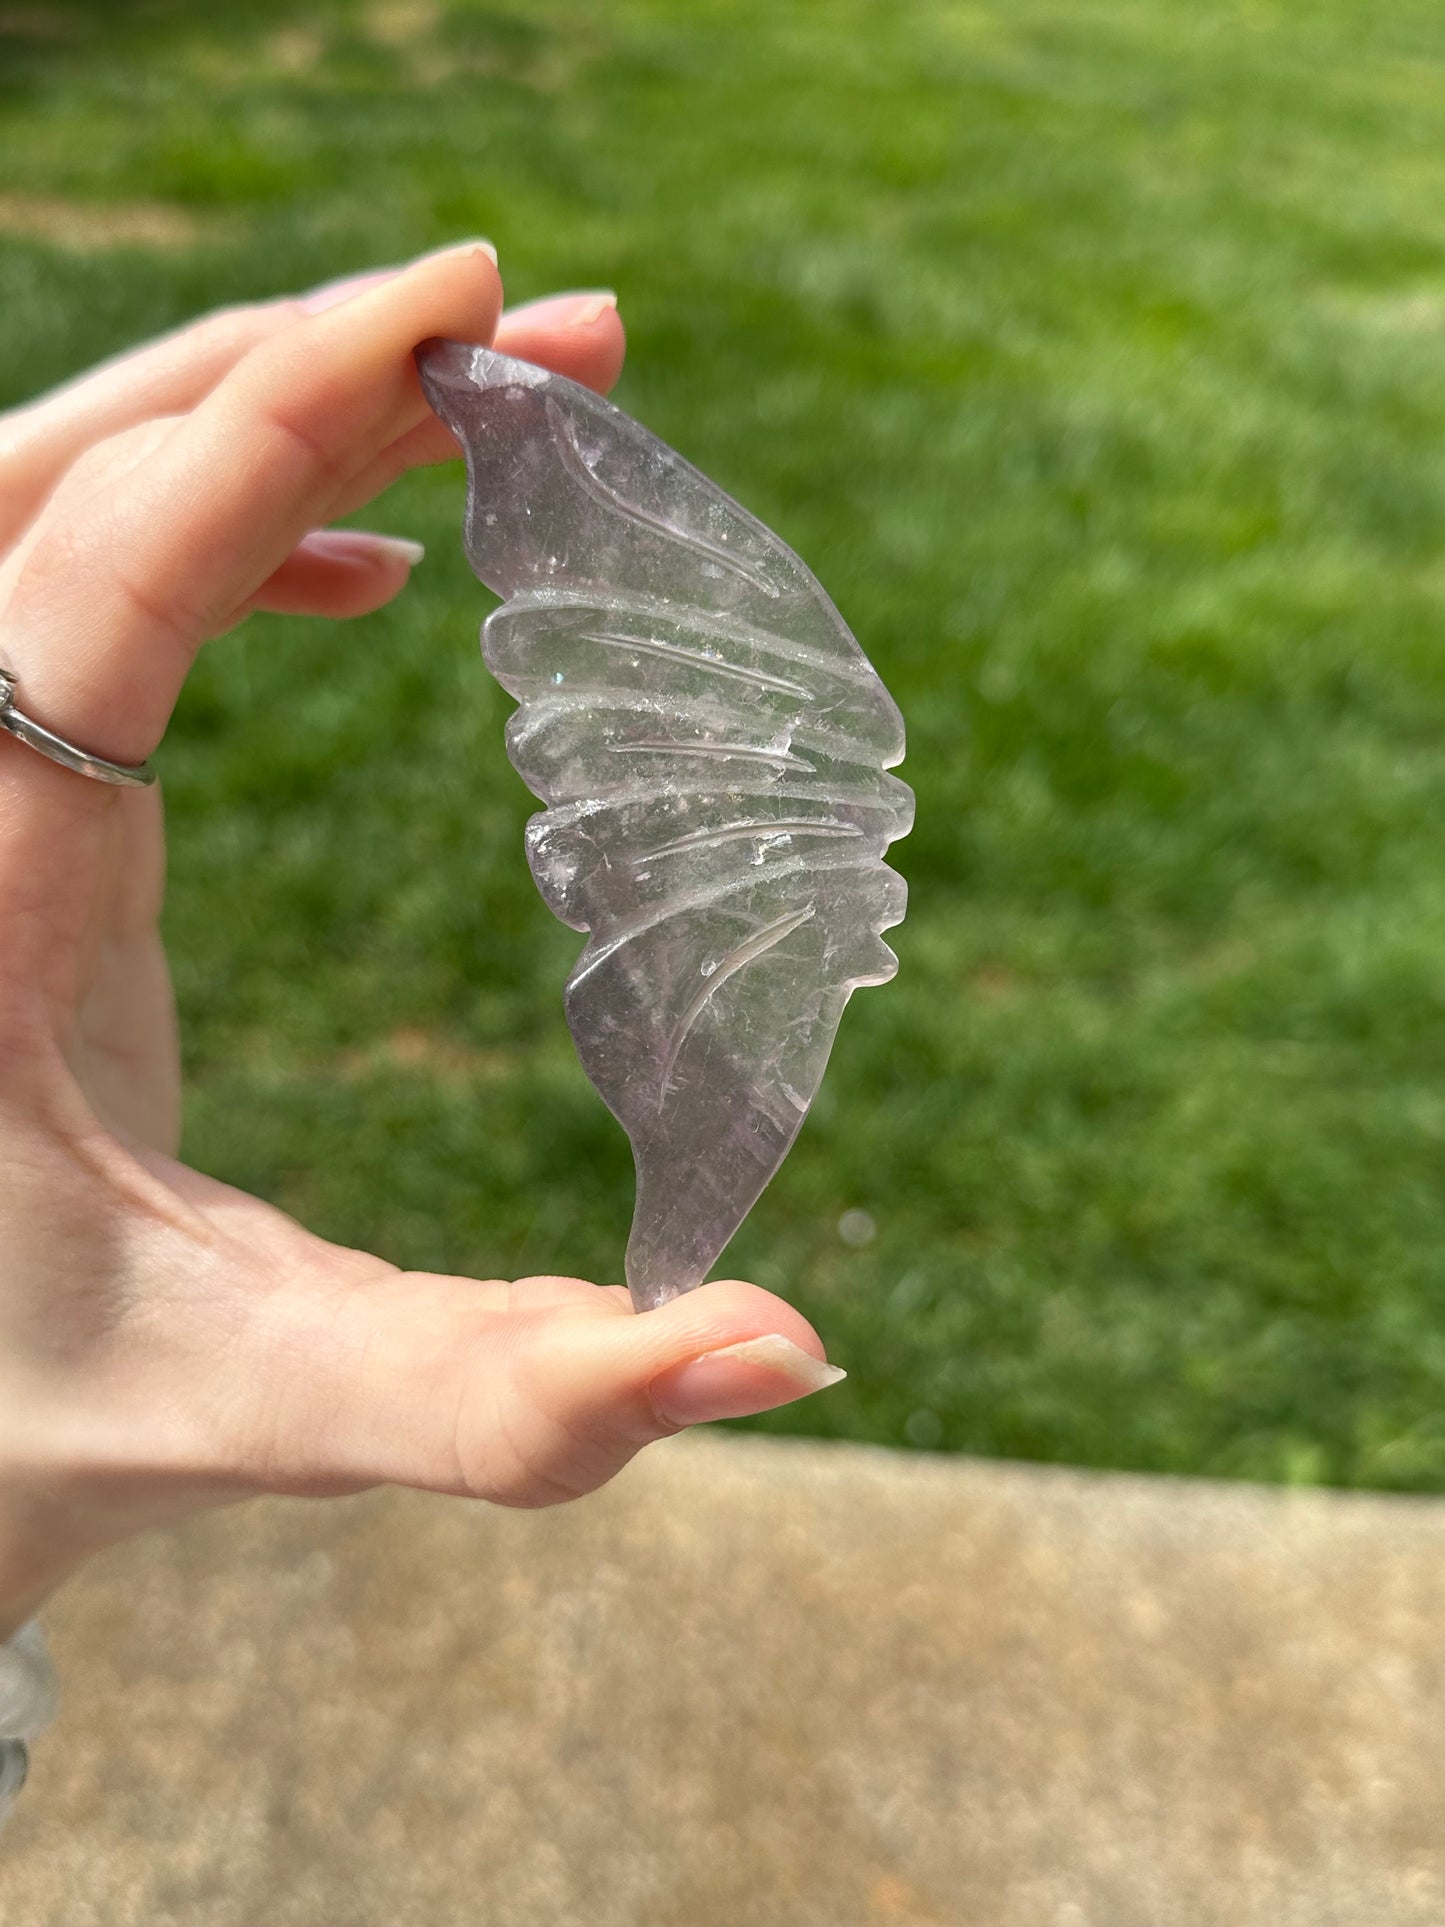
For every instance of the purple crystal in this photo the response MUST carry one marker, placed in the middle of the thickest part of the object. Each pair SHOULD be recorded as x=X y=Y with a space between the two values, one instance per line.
x=712 y=747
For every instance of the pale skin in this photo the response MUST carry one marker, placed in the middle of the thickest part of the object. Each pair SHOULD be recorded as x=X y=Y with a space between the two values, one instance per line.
x=168 y=1343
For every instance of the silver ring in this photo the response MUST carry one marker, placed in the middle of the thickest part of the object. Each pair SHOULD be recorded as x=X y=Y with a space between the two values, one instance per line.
x=26 y=730
x=14 y=1769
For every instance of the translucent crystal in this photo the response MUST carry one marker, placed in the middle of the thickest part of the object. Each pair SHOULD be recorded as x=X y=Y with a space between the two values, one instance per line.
x=28 y=1700
x=712 y=747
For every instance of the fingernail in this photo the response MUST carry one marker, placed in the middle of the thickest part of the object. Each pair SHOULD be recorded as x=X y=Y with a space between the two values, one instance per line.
x=588 y=309
x=410 y=552
x=332 y=293
x=364 y=546
x=753 y=1376
x=470 y=247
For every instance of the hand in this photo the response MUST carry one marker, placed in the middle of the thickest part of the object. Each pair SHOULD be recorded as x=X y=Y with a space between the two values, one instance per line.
x=167 y=1342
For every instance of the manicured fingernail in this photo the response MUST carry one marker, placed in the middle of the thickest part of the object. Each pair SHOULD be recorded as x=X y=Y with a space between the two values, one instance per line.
x=332 y=293
x=588 y=309
x=469 y=247
x=410 y=552
x=364 y=546
x=749 y=1377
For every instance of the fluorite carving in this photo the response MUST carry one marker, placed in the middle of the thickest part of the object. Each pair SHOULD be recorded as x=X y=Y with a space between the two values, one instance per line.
x=712 y=746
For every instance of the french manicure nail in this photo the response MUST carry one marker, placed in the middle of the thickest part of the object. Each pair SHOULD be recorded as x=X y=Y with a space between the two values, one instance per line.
x=470 y=247
x=410 y=552
x=589 y=309
x=752 y=1376
x=332 y=293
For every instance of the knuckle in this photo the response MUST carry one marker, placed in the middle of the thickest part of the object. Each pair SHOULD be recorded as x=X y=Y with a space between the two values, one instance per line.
x=107 y=459
x=323 y=460
x=234 y=330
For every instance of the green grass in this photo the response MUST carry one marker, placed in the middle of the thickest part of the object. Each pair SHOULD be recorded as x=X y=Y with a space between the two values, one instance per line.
x=1093 y=352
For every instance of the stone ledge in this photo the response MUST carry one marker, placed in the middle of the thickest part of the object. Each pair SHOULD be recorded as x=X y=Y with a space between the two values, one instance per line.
x=755 y=1684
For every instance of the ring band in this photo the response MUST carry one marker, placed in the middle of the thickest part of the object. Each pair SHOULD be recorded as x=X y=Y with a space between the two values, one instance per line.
x=26 y=730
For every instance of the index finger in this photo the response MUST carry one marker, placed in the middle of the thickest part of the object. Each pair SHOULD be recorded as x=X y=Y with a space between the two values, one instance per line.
x=120 y=587
x=39 y=442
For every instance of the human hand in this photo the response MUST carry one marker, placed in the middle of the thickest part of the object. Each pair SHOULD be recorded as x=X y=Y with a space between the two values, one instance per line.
x=167 y=1342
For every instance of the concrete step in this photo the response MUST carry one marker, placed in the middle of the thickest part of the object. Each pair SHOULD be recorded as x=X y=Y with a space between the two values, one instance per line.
x=755 y=1684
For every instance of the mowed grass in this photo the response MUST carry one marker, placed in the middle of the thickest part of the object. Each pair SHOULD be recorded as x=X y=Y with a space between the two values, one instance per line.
x=1093 y=353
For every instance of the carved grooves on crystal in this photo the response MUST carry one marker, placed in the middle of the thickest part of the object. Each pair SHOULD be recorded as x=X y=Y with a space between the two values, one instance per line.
x=740 y=832
x=746 y=819
x=576 y=465
x=758 y=945
x=613 y=933
x=884 y=803
x=748 y=752
x=695 y=659
x=652 y=610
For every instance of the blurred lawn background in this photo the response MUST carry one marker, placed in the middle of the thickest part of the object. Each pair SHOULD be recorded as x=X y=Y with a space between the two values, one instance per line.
x=1091 y=352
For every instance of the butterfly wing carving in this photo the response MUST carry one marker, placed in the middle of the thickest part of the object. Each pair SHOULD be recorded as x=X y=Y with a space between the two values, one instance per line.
x=712 y=746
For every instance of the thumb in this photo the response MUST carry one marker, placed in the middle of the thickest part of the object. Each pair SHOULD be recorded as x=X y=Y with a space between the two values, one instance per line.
x=524 y=1394
x=579 y=1395
x=559 y=1401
